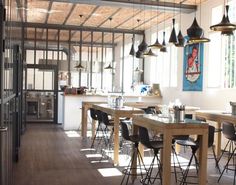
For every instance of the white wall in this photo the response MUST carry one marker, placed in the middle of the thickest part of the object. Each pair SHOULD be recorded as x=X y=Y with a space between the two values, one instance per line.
x=209 y=98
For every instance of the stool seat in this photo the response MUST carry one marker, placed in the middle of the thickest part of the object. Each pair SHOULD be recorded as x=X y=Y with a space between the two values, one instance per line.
x=186 y=143
x=134 y=138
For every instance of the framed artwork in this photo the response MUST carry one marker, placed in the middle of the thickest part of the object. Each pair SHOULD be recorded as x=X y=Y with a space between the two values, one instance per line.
x=193 y=67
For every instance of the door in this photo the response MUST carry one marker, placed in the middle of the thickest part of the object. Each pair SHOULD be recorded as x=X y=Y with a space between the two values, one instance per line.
x=42 y=93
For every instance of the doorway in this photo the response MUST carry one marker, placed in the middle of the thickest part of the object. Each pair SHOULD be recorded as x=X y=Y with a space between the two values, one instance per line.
x=42 y=93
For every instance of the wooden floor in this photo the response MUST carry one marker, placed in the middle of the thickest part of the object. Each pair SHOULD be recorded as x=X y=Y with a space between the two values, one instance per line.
x=50 y=156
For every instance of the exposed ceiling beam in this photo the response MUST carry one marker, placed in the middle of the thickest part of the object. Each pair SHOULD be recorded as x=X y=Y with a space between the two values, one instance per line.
x=69 y=14
x=71 y=27
x=144 y=4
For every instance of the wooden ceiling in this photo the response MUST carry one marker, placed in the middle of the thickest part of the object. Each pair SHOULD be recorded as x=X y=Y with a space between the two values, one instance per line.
x=78 y=13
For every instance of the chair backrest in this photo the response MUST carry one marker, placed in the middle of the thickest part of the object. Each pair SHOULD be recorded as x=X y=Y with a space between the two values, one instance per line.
x=150 y=110
x=93 y=114
x=199 y=118
x=211 y=134
x=99 y=115
x=228 y=130
x=125 y=130
x=144 y=137
x=105 y=118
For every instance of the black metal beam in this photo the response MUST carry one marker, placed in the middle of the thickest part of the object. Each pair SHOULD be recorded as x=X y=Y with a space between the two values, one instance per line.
x=71 y=27
x=146 y=4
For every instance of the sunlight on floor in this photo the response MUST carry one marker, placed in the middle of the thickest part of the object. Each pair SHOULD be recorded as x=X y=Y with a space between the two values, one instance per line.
x=109 y=172
x=72 y=133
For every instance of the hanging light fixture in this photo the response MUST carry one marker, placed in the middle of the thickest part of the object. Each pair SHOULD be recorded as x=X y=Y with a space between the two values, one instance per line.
x=225 y=27
x=156 y=45
x=132 y=51
x=163 y=49
x=139 y=54
x=80 y=63
x=181 y=39
x=137 y=70
x=173 y=38
x=109 y=66
x=143 y=45
x=149 y=52
x=195 y=32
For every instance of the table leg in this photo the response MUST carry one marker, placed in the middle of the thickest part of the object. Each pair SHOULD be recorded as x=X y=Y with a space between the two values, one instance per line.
x=166 y=159
x=218 y=141
x=84 y=122
x=202 y=175
x=116 y=140
x=93 y=127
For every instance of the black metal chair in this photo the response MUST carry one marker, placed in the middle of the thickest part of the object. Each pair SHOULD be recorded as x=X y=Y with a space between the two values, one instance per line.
x=194 y=145
x=229 y=133
x=93 y=115
x=155 y=145
x=128 y=171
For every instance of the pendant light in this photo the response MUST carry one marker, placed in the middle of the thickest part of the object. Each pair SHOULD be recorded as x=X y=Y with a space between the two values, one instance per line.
x=163 y=49
x=181 y=39
x=173 y=38
x=132 y=51
x=79 y=66
x=109 y=66
x=137 y=70
x=80 y=62
x=156 y=45
x=139 y=54
x=225 y=27
x=149 y=52
x=195 y=32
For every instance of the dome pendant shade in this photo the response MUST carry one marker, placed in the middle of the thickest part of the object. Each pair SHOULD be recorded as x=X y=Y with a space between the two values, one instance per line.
x=149 y=54
x=194 y=31
x=156 y=45
x=163 y=49
x=132 y=51
x=143 y=46
x=109 y=67
x=139 y=54
x=79 y=66
x=224 y=26
x=181 y=39
x=173 y=38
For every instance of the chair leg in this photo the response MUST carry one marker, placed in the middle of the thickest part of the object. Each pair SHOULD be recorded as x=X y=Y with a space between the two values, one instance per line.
x=97 y=130
x=216 y=161
x=183 y=181
x=226 y=164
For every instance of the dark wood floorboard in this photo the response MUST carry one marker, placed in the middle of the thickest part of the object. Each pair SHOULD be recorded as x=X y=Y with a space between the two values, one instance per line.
x=49 y=157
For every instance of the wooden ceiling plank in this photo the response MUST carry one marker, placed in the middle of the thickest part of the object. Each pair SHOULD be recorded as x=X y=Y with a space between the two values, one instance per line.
x=20 y=11
x=94 y=10
x=113 y=14
x=126 y=20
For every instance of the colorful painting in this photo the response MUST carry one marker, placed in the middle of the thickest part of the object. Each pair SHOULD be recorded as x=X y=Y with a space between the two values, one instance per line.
x=193 y=67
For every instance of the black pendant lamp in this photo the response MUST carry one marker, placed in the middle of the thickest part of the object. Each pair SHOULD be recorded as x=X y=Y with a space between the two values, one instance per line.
x=181 y=39
x=225 y=27
x=173 y=38
x=163 y=49
x=143 y=46
x=139 y=54
x=149 y=53
x=109 y=67
x=156 y=45
x=79 y=66
x=132 y=51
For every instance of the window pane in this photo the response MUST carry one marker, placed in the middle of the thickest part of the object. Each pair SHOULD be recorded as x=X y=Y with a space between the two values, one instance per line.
x=214 y=64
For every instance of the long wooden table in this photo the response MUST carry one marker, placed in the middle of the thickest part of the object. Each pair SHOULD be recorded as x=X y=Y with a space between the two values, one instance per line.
x=86 y=105
x=117 y=113
x=218 y=117
x=169 y=128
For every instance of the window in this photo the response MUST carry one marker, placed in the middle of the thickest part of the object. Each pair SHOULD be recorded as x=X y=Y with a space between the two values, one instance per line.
x=222 y=56
x=164 y=69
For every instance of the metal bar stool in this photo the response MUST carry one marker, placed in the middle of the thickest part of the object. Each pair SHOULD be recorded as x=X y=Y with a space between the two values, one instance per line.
x=128 y=171
x=228 y=130
x=156 y=146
